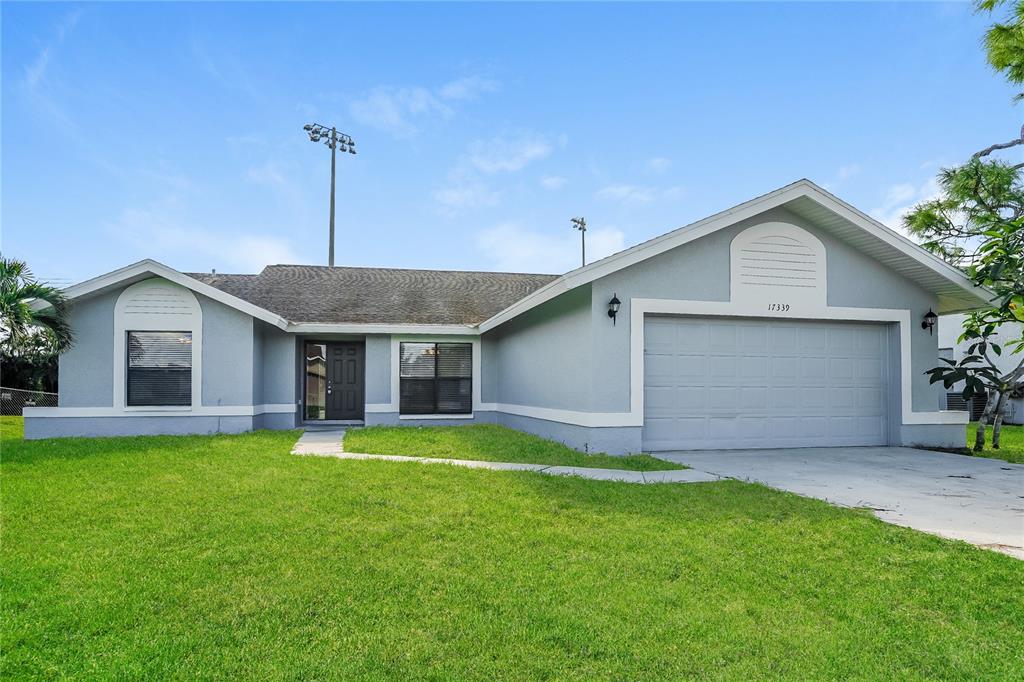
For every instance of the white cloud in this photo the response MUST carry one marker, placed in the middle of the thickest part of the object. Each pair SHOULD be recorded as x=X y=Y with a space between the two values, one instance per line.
x=470 y=87
x=553 y=182
x=627 y=193
x=35 y=72
x=267 y=174
x=848 y=171
x=465 y=186
x=464 y=191
x=400 y=111
x=395 y=110
x=513 y=248
x=507 y=154
x=659 y=164
x=900 y=199
x=637 y=194
x=156 y=232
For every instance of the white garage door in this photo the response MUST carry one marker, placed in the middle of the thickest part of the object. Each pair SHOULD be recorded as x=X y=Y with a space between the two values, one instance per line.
x=713 y=383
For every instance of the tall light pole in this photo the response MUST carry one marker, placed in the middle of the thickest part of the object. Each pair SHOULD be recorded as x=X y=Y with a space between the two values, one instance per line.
x=581 y=225
x=336 y=141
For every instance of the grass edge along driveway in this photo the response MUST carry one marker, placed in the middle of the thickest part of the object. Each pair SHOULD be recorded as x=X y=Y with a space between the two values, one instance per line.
x=488 y=443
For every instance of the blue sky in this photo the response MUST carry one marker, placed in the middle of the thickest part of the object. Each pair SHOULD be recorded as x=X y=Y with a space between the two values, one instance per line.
x=174 y=131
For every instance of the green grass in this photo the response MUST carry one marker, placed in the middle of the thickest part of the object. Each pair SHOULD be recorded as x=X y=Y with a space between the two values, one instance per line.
x=1011 y=443
x=487 y=443
x=226 y=557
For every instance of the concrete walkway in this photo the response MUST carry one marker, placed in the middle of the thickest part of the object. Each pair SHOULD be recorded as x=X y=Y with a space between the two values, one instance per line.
x=329 y=444
x=974 y=499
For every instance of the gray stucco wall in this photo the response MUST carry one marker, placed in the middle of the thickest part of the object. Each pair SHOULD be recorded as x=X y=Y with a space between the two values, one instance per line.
x=378 y=368
x=700 y=271
x=61 y=427
x=544 y=357
x=277 y=365
x=227 y=354
x=86 y=371
x=257 y=364
x=489 y=347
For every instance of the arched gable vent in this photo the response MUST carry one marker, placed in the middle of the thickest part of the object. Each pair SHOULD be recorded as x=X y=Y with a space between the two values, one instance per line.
x=778 y=263
x=158 y=301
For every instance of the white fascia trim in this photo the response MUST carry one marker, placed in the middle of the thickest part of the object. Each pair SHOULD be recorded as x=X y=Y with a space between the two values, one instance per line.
x=160 y=270
x=895 y=240
x=591 y=419
x=396 y=367
x=211 y=411
x=702 y=228
x=352 y=328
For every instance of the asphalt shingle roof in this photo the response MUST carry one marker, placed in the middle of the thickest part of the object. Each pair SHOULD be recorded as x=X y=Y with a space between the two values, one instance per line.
x=312 y=293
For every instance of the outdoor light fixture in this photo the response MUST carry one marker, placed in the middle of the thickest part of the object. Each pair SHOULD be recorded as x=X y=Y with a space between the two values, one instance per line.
x=613 y=307
x=929 y=321
x=337 y=142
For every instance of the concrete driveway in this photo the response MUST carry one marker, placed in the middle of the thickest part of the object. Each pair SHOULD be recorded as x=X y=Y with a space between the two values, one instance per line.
x=968 y=498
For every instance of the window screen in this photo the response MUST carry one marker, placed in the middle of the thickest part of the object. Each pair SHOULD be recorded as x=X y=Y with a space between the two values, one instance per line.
x=436 y=378
x=159 y=368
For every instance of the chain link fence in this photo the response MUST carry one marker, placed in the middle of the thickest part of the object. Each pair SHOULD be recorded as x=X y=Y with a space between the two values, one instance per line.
x=12 y=400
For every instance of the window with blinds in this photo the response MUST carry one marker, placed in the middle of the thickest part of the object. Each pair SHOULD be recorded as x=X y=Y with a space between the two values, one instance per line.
x=436 y=378
x=159 y=368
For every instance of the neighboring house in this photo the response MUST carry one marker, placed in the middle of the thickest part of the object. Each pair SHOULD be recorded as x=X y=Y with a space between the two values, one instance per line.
x=790 y=320
x=950 y=327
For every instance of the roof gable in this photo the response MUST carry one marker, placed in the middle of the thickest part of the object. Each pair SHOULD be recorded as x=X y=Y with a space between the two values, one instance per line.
x=954 y=289
x=145 y=269
x=321 y=298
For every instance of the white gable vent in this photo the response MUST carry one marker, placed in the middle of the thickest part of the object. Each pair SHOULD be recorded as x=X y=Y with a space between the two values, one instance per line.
x=779 y=268
x=157 y=298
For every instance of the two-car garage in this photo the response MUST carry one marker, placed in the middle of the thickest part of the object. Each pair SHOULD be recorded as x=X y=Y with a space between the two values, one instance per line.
x=721 y=383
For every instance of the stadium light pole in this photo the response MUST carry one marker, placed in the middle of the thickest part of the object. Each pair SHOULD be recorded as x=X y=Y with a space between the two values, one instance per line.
x=581 y=225
x=337 y=142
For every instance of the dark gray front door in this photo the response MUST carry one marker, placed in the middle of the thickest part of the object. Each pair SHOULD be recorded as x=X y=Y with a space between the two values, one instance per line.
x=345 y=380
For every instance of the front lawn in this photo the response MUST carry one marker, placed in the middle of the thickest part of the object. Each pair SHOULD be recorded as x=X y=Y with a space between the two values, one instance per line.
x=1011 y=443
x=225 y=557
x=488 y=443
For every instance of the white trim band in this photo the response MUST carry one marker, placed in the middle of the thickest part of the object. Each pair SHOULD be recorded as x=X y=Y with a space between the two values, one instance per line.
x=212 y=411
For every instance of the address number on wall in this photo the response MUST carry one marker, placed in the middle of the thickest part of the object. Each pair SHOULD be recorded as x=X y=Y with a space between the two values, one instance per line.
x=778 y=307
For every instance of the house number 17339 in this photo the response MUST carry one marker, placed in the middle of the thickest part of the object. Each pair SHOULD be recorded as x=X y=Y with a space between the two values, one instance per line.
x=778 y=307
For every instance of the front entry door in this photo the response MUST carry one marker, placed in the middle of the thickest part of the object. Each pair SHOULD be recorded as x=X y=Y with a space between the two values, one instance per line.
x=345 y=380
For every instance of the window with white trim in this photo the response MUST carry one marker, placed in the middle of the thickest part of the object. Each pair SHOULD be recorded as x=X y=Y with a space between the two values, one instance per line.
x=159 y=369
x=435 y=378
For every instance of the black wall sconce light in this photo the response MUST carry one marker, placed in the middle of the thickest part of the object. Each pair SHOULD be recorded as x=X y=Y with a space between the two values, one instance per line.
x=613 y=307
x=929 y=321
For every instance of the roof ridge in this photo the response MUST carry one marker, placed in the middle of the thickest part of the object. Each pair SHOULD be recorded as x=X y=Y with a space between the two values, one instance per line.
x=375 y=267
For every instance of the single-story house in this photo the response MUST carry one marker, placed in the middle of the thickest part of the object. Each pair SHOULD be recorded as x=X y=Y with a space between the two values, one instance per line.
x=790 y=320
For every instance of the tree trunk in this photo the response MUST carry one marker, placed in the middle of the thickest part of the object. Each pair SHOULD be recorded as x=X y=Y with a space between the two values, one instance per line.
x=986 y=414
x=997 y=424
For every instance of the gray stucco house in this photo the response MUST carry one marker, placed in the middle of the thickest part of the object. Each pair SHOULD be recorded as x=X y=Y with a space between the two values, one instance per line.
x=790 y=320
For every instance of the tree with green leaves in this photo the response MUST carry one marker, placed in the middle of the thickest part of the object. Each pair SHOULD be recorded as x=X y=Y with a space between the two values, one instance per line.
x=975 y=223
x=29 y=308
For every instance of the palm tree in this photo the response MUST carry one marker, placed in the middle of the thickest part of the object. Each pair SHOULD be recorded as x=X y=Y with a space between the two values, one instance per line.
x=29 y=307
